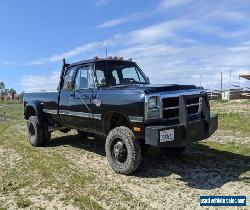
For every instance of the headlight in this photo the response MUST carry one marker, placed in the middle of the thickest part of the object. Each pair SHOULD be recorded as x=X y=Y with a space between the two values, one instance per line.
x=153 y=102
x=154 y=114
x=153 y=108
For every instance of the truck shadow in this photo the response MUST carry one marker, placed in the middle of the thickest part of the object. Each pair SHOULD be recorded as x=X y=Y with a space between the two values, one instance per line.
x=201 y=168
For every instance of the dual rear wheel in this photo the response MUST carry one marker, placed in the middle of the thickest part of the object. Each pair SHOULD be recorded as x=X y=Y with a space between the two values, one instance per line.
x=38 y=133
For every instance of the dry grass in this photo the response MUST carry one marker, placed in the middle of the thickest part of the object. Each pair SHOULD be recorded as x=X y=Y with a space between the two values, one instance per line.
x=72 y=173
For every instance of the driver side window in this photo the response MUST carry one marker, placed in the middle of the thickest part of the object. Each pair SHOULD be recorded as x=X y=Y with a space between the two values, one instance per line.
x=84 y=78
x=68 y=77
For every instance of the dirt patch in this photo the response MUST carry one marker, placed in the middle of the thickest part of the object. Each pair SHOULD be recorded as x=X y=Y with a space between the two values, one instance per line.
x=231 y=106
x=227 y=136
x=160 y=183
x=41 y=199
x=9 y=157
x=4 y=118
x=50 y=199
x=16 y=130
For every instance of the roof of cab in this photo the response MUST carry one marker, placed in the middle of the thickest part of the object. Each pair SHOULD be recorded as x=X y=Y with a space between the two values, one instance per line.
x=97 y=60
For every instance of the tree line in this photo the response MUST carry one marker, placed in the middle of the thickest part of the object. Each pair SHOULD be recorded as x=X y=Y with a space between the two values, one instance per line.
x=5 y=91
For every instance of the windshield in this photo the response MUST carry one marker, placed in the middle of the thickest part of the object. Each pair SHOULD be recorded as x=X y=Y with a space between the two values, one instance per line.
x=112 y=73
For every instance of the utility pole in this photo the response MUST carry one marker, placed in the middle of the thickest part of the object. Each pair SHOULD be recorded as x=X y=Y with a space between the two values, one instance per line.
x=200 y=80
x=230 y=79
x=221 y=82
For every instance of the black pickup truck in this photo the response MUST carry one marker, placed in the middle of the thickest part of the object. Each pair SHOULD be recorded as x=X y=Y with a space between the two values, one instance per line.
x=114 y=98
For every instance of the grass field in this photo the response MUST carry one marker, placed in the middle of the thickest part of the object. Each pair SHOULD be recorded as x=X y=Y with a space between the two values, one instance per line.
x=72 y=173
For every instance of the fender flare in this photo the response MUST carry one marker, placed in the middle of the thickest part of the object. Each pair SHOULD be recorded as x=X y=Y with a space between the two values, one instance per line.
x=37 y=106
x=107 y=116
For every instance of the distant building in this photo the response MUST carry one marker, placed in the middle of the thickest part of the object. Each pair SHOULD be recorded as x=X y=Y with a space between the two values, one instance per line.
x=232 y=94
x=214 y=95
x=246 y=76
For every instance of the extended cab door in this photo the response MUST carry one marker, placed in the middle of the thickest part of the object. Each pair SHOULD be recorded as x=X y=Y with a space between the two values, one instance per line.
x=66 y=94
x=81 y=104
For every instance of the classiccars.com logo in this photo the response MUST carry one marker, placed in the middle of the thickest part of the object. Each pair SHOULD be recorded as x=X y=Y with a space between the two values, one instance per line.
x=223 y=200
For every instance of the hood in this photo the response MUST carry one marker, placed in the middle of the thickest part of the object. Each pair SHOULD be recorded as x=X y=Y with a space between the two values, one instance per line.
x=150 y=88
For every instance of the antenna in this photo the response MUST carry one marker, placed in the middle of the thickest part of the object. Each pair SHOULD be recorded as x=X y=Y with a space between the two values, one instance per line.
x=221 y=82
x=106 y=49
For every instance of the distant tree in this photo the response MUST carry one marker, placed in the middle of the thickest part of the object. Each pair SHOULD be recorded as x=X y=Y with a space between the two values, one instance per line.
x=12 y=92
x=2 y=86
x=2 y=90
x=6 y=91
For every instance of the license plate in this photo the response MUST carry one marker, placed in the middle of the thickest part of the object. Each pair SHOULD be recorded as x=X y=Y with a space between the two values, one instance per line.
x=167 y=135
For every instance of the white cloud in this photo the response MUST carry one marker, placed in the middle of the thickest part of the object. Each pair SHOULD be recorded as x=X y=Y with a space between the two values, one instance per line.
x=159 y=31
x=32 y=83
x=162 y=6
x=101 y=2
x=70 y=53
x=214 y=30
x=245 y=46
x=114 y=22
x=118 y=21
x=229 y=15
x=171 y=51
x=6 y=63
x=167 y=4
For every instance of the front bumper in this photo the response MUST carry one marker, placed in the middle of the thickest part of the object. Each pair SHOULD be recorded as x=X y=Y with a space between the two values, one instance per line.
x=183 y=134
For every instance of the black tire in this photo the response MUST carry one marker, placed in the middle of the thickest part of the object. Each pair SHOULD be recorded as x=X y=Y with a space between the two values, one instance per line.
x=128 y=157
x=83 y=134
x=172 y=151
x=35 y=132
x=47 y=134
x=144 y=148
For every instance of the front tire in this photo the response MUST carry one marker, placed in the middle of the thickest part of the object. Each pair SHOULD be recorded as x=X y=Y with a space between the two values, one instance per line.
x=172 y=151
x=123 y=151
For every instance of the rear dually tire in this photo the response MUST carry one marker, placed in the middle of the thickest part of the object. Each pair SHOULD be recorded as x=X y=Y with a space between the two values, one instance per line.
x=38 y=133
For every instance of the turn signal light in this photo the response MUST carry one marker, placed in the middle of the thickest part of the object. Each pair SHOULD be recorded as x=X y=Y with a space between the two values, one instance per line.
x=137 y=129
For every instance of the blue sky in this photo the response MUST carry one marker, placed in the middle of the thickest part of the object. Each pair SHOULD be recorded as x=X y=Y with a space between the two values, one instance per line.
x=174 y=41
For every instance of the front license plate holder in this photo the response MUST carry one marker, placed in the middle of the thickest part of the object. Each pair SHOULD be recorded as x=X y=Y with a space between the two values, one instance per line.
x=167 y=135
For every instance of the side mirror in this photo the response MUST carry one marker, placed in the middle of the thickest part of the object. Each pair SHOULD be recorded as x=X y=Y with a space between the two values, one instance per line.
x=69 y=85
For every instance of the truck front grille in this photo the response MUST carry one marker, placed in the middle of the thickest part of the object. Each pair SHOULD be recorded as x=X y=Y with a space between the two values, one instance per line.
x=171 y=113
x=171 y=107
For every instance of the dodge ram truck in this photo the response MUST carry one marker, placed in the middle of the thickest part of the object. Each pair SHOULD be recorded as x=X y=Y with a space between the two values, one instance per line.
x=112 y=97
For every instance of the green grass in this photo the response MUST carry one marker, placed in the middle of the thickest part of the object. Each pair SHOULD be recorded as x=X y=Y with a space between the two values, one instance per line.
x=11 y=102
x=244 y=101
x=232 y=119
x=11 y=111
x=83 y=202
x=40 y=169
x=235 y=121
x=22 y=202
x=37 y=169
